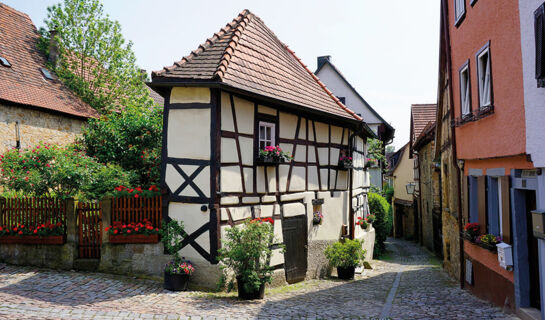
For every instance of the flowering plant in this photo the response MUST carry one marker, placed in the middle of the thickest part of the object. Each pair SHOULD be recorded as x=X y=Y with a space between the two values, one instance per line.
x=472 y=230
x=119 y=228
x=317 y=217
x=275 y=153
x=371 y=162
x=261 y=220
x=122 y=191
x=182 y=267
x=371 y=218
x=362 y=222
x=44 y=229
x=488 y=239
x=347 y=161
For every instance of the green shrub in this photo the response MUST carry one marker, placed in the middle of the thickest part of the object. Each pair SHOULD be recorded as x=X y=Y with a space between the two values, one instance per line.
x=388 y=193
x=383 y=223
x=347 y=253
x=50 y=170
x=246 y=253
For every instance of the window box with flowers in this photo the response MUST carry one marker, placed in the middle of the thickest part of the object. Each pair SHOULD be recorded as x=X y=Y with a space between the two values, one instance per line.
x=362 y=222
x=488 y=241
x=46 y=233
x=142 y=232
x=272 y=156
x=471 y=231
x=317 y=217
x=345 y=163
x=371 y=163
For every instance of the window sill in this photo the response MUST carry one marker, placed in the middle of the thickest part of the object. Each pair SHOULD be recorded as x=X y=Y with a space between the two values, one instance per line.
x=474 y=116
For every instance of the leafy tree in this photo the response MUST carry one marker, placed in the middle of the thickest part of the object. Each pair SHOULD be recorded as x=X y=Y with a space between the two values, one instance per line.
x=131 y=139
x=94 y=59
x=390 y=149
x=49 y=170
x=375 y=149
x=383 y=223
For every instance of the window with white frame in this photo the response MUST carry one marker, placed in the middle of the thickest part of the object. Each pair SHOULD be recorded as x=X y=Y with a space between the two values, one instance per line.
x=484 y=75
x=459 y=10
x=266 y=134
x=465 y=92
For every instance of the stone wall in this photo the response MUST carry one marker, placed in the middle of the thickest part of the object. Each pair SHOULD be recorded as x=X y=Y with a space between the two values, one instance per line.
x=427 y=168
x=35 y=126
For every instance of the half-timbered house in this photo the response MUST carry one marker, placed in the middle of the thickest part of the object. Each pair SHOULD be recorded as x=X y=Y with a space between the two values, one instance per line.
x=242 y=90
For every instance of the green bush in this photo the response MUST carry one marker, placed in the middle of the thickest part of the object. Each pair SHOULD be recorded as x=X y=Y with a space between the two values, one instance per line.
x=50 y=170
x=347 y=253
x=388 y=193
x=383 y=223
x=246 y=253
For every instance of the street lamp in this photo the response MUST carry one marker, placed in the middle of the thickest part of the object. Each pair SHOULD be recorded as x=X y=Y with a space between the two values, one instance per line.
x=410 y=187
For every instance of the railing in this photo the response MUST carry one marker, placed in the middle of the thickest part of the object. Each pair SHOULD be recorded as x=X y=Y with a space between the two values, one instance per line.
x=130 y=209
x=31 y=211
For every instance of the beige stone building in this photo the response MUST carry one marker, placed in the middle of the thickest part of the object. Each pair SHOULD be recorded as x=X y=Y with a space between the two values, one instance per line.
x=402 y=175
x=34 y=105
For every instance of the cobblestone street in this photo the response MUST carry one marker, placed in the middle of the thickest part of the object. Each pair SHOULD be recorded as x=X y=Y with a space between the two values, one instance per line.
x=408 y=285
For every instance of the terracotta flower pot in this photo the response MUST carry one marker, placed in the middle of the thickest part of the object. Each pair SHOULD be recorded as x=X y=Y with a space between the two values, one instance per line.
x=33 y=240
x=249 y=295
x=346 y=273
x=175 y=282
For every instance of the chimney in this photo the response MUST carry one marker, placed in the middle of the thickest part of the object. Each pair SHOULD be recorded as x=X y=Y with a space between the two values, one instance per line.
x=53 y=48
x=322 y=60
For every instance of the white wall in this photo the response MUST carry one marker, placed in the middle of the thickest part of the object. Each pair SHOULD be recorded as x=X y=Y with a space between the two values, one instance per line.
x=340 y=89
x=534 y=97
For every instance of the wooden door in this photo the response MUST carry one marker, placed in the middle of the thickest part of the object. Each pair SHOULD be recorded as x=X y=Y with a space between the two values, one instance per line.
x=437 y=222
x=294 y=230
x=90 y=230
x=533 y=257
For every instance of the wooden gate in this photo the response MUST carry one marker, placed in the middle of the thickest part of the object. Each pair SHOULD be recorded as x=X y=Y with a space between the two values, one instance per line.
x=90 y=230
x=294 y=231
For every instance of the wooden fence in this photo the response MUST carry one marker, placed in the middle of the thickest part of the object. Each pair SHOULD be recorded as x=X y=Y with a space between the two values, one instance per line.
x=130 y=209
x=31 y=211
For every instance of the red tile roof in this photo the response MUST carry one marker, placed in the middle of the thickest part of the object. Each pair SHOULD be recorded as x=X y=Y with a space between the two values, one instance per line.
x=422 y=115
x=247 y=55
x=24 y=83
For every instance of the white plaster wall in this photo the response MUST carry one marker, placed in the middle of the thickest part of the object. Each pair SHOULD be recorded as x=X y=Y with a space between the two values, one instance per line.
x=189 y=133
x=534 y=97
x=193 y=218
x=189 y=95
x=340 y=89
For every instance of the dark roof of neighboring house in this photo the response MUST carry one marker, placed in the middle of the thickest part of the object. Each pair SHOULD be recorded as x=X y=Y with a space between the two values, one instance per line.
x=328 y=61
x=245 y=54
x=421 y=116
x=24 y=83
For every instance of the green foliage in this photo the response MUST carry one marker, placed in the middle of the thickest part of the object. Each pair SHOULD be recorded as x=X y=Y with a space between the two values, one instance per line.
x=247 y=252
x=49 y=170
x=172 y=235
x=375 y=149
x=382 y=210
x=388 y=192
x=345 y=253
x=132 y=139
x=94 y=61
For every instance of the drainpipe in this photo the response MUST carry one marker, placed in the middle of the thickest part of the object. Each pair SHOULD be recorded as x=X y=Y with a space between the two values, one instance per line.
x=420 y=209
x=350 y=189
x=459 y=174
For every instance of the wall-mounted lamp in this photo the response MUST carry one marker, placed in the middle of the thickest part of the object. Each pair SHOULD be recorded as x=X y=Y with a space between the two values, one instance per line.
x=410 y=187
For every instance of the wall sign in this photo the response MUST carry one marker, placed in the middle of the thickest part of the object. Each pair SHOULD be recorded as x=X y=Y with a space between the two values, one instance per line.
x=469 y=272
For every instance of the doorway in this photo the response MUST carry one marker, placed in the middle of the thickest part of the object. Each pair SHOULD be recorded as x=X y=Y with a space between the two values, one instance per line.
x=294 y=231
x=533 y=257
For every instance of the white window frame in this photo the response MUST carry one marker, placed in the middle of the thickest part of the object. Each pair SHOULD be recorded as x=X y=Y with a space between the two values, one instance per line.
x=484 y=78
x=272 y=126
x=465 y=90
x=459 y=10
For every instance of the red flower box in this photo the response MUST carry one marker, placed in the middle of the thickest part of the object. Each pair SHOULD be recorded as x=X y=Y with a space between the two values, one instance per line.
x=33 y=239
x=134 y=238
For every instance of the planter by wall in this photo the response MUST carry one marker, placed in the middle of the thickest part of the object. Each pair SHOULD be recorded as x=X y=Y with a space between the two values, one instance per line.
x=33 y=240
x=176 y=282
x=134 y=238
x=268 y=161
x=345 y=165
x=243 y=294
x=346 y=273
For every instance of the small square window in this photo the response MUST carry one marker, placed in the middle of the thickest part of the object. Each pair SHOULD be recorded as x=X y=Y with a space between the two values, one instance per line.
x=266 y=134
x=5 y=62
x=342 y=100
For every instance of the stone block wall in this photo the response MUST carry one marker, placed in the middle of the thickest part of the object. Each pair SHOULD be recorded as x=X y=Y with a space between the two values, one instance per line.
x=35 y=126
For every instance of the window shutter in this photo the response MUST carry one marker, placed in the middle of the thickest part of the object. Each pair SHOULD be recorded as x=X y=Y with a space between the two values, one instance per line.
x=481 y=196
x=539 y=30
x=465 y=200
x=487 y=100
x=505 y=209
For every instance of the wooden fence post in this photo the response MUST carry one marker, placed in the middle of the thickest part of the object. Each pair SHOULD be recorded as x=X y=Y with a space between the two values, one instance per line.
x=106 y=205
x=71 y=221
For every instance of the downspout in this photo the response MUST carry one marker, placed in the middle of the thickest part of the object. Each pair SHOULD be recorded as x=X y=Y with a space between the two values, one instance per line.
x=351 y=188
x=444 y=10
x=421 y=207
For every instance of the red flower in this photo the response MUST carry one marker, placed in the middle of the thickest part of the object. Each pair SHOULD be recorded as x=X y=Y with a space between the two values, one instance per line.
x=35 y=231
x=136 y=196
x=115 y=231
x=20 y=232
x=128 y=231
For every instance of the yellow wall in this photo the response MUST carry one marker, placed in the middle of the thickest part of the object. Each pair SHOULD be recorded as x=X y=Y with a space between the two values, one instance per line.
x=403 y=174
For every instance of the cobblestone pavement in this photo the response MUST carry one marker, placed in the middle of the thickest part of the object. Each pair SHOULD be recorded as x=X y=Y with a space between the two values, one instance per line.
x=407 y=286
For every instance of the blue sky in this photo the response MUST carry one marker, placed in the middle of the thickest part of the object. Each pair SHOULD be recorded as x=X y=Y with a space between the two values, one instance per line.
x=388 y=50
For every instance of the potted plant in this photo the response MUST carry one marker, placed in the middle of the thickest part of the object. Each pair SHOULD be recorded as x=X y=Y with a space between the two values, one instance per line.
x=345 y=162
x=44 y=233
x=317 y=217
x=370 y=162
x=371 y=218
x=272 y=155
x=142 y=232
x=362 y=222
x=488 y=241
x=246 y=254
x=178 y=271
x=471 y=231
x=345 y=255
